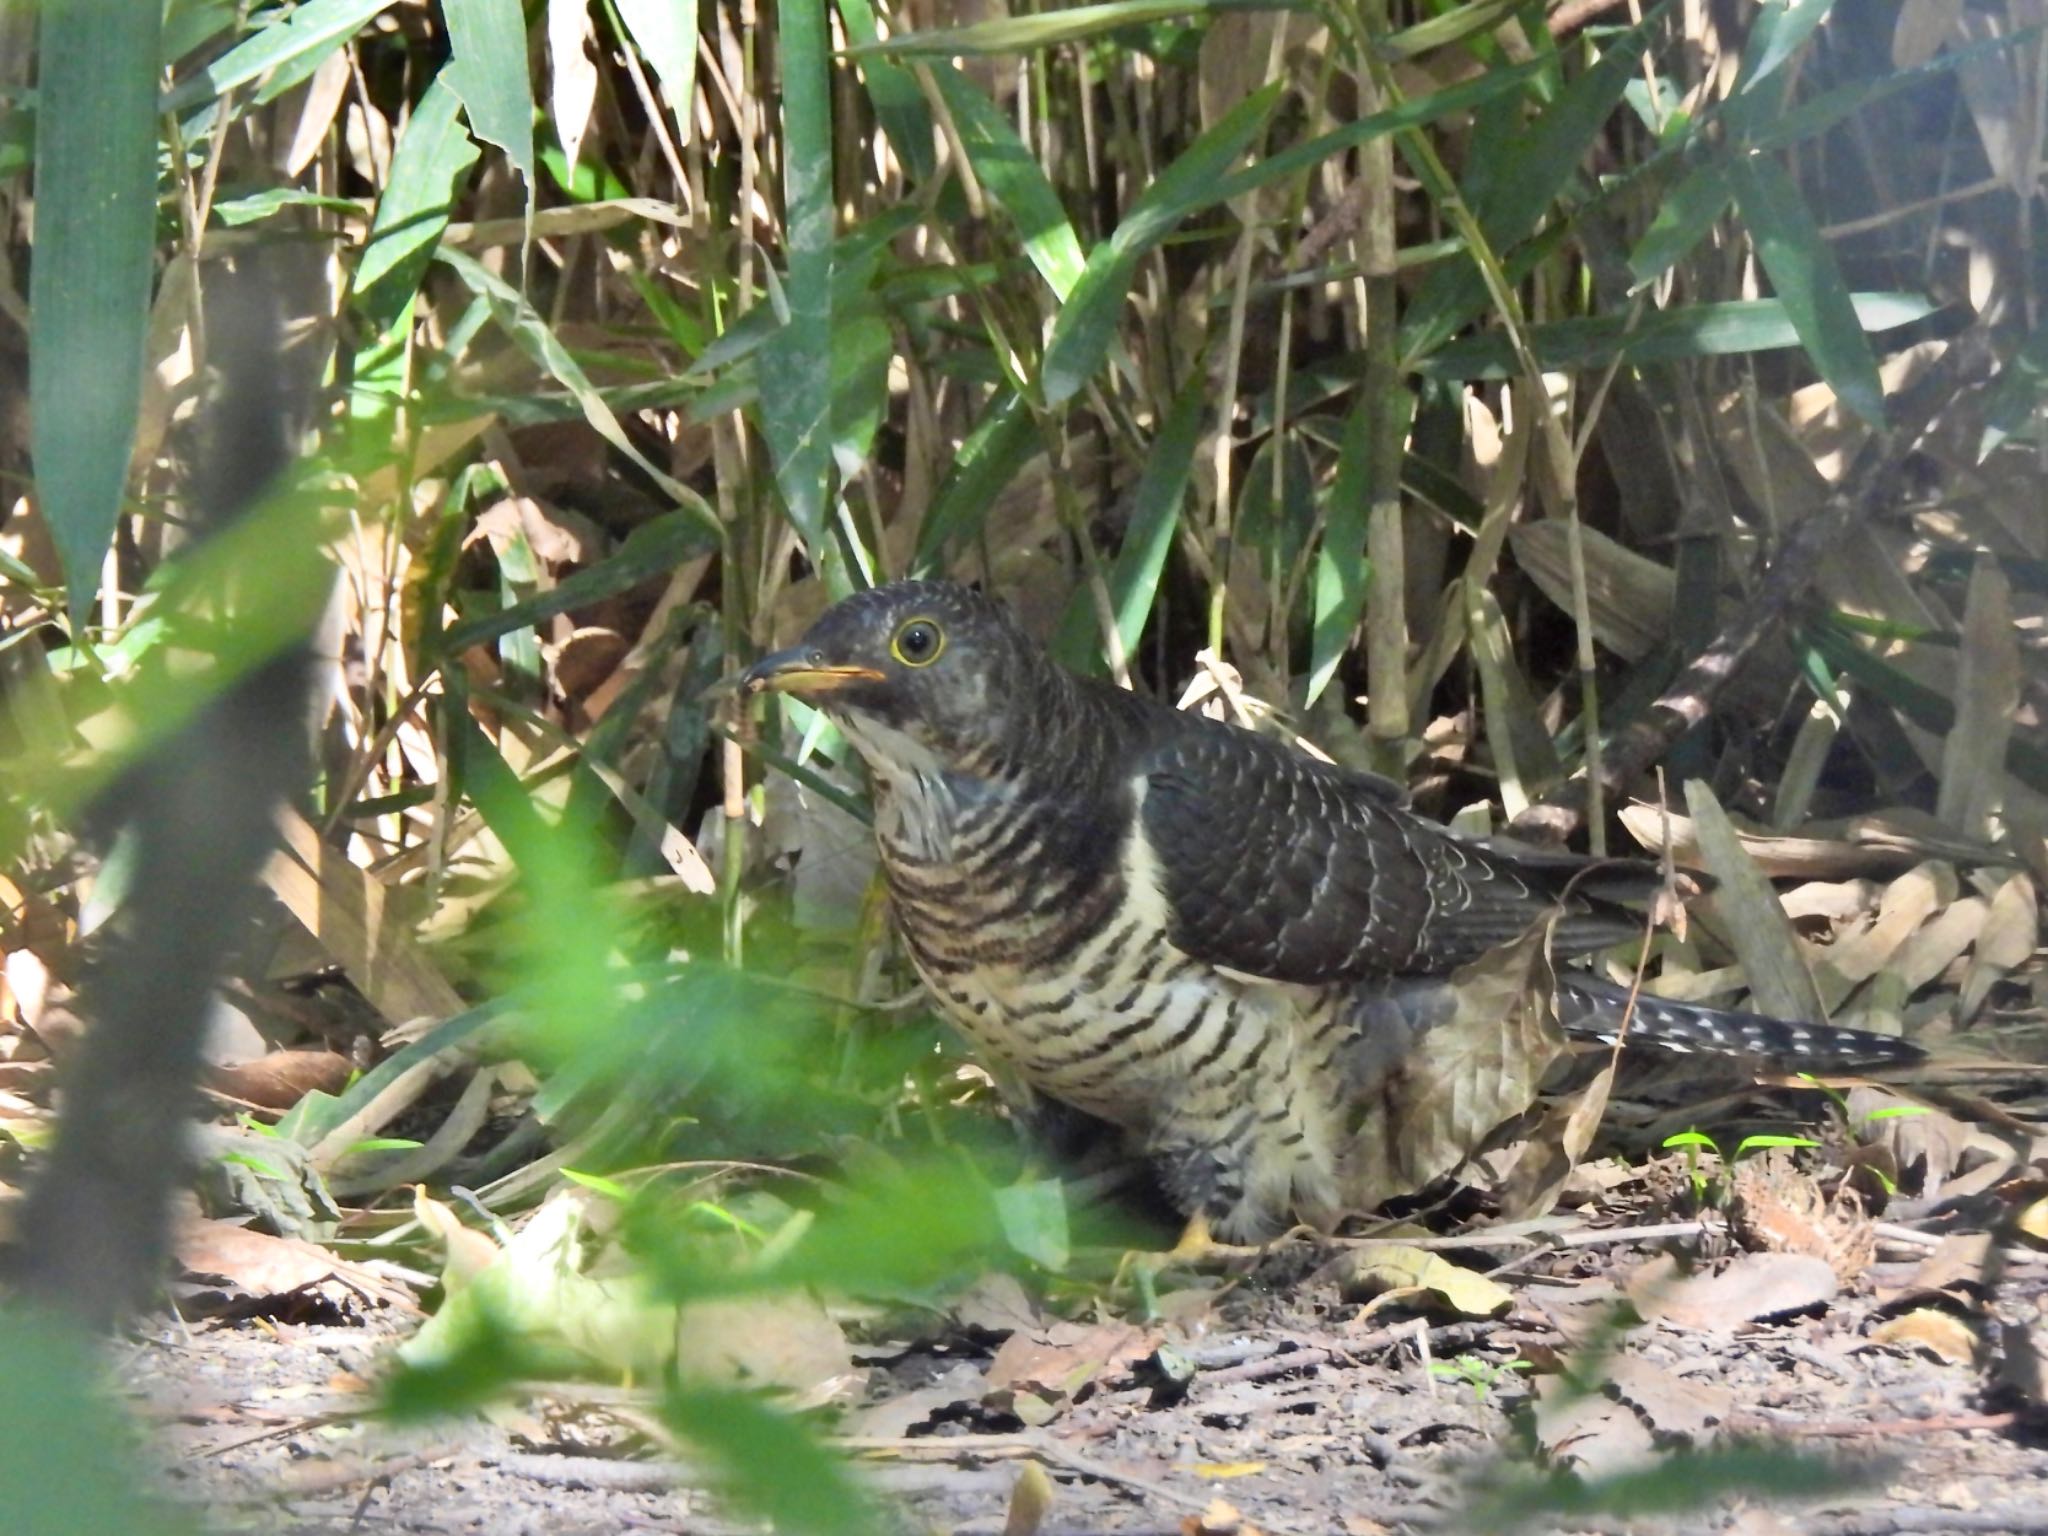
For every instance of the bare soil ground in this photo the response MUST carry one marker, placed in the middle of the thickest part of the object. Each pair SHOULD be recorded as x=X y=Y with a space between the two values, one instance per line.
x=1266 y=1402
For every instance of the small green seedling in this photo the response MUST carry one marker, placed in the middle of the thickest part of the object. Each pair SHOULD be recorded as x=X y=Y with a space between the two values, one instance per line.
x=1704 y=1190
x=1477 y=1372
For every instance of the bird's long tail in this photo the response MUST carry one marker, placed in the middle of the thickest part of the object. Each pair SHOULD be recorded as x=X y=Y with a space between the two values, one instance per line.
x=1591 y=1009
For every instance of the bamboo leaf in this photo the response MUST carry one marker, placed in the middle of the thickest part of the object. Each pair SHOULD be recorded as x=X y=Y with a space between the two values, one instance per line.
x=487 y=69
x=431 y=155
x=1341 y=565
x=1756 y=921
x=1048 y=29
x=1682 y=221
x=1155 y=515
x=1082 y=333
x=665 y=32
x=89 y=290
x=537 y=341
x=1802 y=268
x=1693 y=330
x=904 y=114
x=795 y=365
x=1013 y=177
x=1001 y=445
x=297 y=40
x=1515 y=179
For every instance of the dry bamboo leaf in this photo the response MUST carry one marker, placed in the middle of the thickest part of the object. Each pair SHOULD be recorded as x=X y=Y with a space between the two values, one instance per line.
x=1749 y=909
x=1775 y=467
x=1637 y=1409
x=1907 y=903
x=281 y=1078
x=2011 y=930
x=572 y=73
x=1837 y=900
x=1923 y=26
x=1523 y=752
x=344 y=908
x=786 y=1341
x=1630 y=596
x=1963 y=1259
x=1939 y=943
x=2001 y=103
x=1987 y=693
x=1822 y=858
x=319 y=100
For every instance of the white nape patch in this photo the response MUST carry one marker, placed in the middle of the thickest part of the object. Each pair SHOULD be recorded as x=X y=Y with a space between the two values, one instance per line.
x=1144 y=896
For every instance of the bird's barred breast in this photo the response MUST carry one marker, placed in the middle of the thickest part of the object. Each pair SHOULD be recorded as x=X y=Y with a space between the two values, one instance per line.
x=1065 y=975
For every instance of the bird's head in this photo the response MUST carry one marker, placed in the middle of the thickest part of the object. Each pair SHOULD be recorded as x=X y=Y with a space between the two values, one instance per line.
x=919 y=674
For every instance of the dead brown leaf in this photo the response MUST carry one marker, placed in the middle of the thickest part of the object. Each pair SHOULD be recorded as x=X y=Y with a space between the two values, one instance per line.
x=280 y=1079
x=787 y=1341
x=1483 y=1067
x=1808 y=858
x=1398 y=1273
x=1936 y=1331
x=1751 y=1288
x=1038 y=1371
x=1637 y=1409
x=249 y=1271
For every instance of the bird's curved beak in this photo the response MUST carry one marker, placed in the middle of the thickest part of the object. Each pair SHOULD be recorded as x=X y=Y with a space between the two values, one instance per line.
x=803 y=672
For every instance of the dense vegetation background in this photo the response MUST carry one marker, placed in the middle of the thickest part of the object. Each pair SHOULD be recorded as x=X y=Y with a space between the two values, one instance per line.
x=1509 y=397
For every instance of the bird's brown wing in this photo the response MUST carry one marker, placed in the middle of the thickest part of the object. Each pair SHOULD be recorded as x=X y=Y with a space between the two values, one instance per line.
x=1282 y=867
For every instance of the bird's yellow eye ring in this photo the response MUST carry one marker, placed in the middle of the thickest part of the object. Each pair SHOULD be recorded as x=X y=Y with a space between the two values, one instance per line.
x=918 y=642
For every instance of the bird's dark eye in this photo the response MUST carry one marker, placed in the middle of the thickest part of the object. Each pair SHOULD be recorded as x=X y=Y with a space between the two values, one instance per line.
x=918 y=643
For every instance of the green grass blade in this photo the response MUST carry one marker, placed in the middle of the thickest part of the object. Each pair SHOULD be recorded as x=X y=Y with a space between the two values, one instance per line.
x=2015 y=395
x=487 y=69
x=648 y=551
x=1802 y=268
x=1082 y=333
x=795 y=364
x=1155 y=517
x=89 y=291
x=1778 y=32
x=1463 y=97
x=1453 y=26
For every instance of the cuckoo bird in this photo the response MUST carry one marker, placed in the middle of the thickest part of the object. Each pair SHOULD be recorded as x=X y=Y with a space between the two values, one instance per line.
x=1184 y=928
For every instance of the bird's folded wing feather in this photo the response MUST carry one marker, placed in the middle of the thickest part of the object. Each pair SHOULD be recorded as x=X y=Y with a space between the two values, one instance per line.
x=1282 y=867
